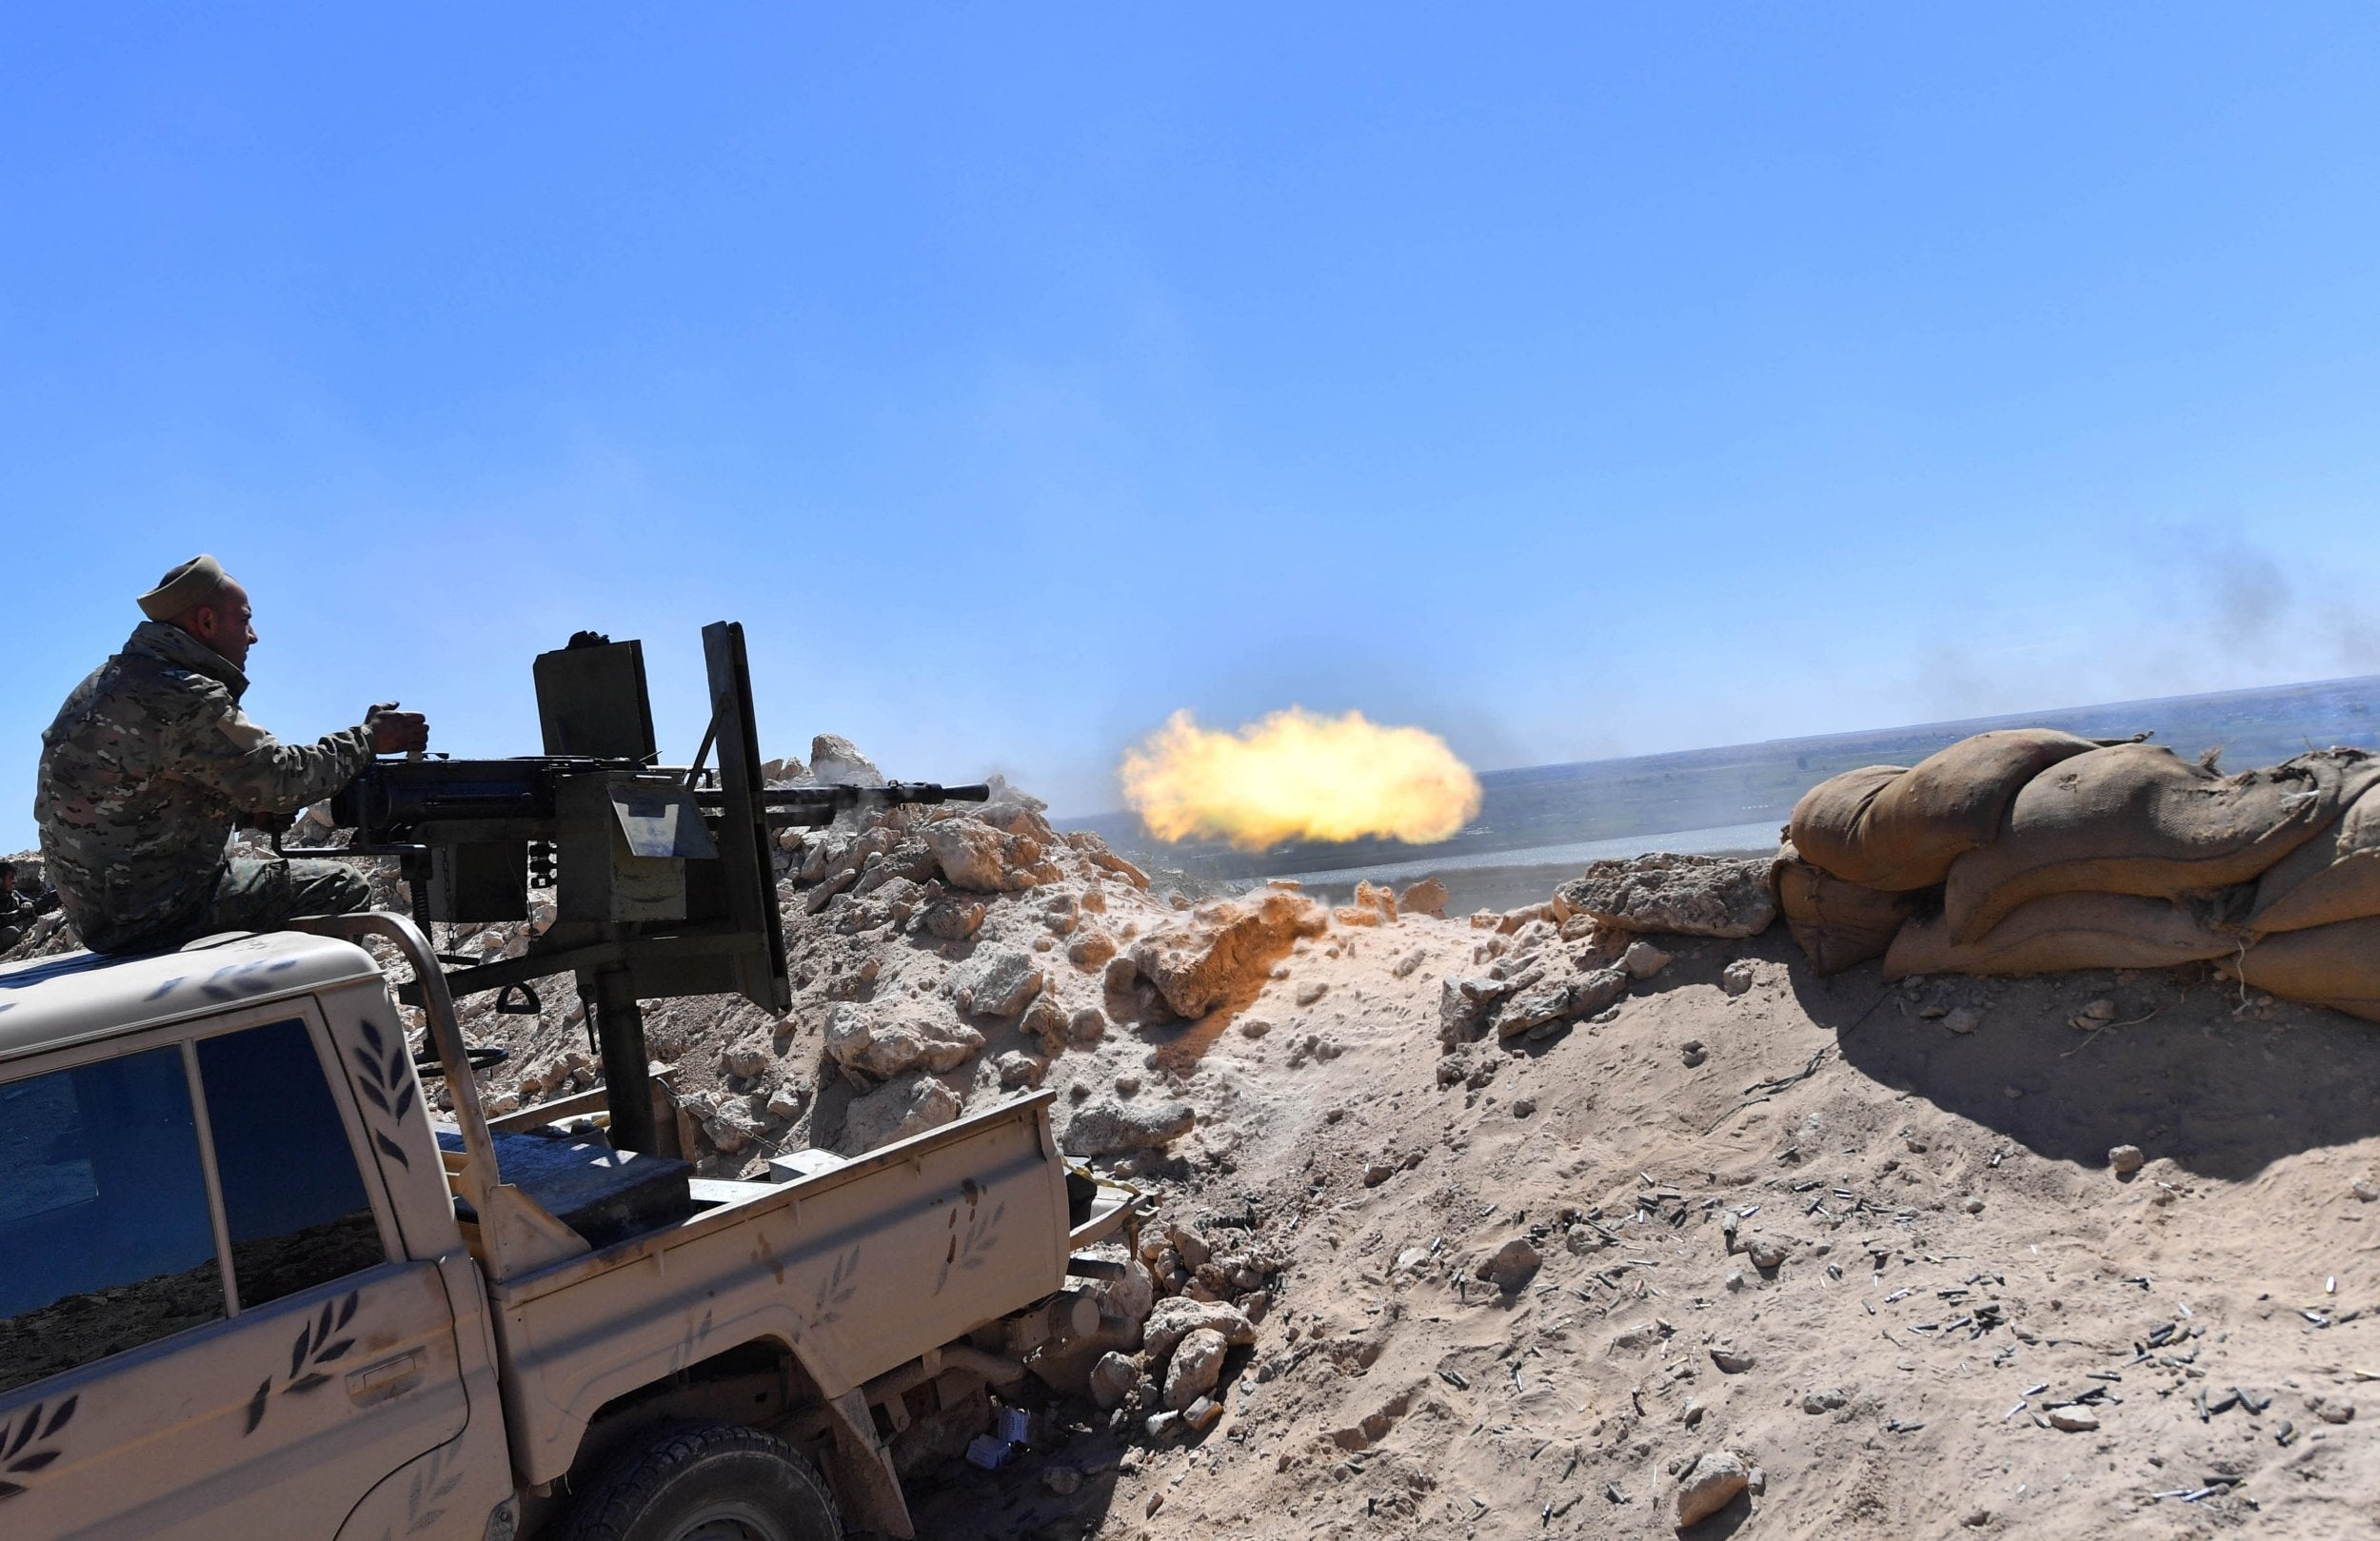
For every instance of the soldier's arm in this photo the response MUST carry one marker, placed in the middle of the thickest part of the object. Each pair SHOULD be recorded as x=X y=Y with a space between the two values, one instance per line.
x=225 y=751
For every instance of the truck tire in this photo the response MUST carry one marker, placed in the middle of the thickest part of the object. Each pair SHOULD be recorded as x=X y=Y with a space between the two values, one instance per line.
x=707 y=1482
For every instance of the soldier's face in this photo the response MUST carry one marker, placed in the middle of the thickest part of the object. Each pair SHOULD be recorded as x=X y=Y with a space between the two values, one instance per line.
x=227 y=625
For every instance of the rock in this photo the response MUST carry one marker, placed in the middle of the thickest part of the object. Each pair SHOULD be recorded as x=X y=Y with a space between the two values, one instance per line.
x=1019 y=1068
x=1062 y=1480
x=1765 y=1251
x=1127 y=1084
x=1377 y=1173
x=1311 y=992
x=1973 y=1206
x=1111 y=1127
x=1738 y=976
x=1525 y=1106
x=2331 y=1409
x=1693 y=895
x=1580 y=996
x=1428 y=896
x=1514 y=1264
x=1227 y=948
x=1693 y=1053
x=1642 y=960
x=998 y=984
x=1731 y=1359
x=1197 y=1365
x=1203 y=1414
x=1964 y=1020
x=730 y=1129
x=1175 y=1319
x=1091 y=950
x=857 y=1039
x=1112 y=1380
x=787 y=1100
x=1254 y=1027
x=1463 y=1005
x=836 y=760
x=1821 y=1401
x=1087 y=1025
x=1044 y=1019
x=1709 y=1485
x=2365 y=1189
x=2075 y=1418
x=749 y=1057
x=906 y=1105
x=2126 y=1159
x=974 y=856
x=953 y=919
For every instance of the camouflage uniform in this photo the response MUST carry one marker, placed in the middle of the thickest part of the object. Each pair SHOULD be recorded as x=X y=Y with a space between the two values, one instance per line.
x=144 y=775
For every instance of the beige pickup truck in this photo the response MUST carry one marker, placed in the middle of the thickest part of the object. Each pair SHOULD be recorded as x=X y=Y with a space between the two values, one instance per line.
x=249 y=1286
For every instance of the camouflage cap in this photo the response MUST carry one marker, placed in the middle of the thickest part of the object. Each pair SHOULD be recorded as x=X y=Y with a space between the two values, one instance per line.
x=193 y=583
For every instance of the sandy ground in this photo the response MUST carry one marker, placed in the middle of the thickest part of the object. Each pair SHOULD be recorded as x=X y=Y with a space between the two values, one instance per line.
x=1959 y=1260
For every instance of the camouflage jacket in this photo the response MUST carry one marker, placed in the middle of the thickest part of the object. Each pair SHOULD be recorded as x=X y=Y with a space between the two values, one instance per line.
x=148 y=768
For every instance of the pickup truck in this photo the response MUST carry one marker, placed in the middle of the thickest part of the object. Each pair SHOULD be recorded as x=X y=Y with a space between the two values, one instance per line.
x=250 y=1285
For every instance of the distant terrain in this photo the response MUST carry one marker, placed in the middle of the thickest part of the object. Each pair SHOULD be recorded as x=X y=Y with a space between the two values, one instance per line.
x=1529 y=809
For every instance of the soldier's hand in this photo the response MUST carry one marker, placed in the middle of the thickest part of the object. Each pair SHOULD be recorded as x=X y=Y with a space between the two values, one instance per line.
x=395 y=732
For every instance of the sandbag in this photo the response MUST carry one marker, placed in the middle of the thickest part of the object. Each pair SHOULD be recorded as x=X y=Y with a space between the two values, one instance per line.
x=2064 y=932
x=1837 y=924
x=2331 y=878
x=1901 y=832
x=2337 y=965
x=1826 y=824
x=2136 y=818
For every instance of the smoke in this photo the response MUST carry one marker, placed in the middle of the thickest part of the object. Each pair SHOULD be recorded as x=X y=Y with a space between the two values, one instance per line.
x=2186 y=609
x=1297 y=775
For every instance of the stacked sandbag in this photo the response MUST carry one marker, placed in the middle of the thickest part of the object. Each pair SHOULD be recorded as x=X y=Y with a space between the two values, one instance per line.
x=1869 y=848
x=2137 y=818
x=2064 y=932
x=1898 y=830
x=1839 y=924
x=2331 y=878
x=2335 y=965
x=2032 y=851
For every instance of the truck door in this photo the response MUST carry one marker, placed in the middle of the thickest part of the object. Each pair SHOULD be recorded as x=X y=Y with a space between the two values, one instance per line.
x=323 y=1361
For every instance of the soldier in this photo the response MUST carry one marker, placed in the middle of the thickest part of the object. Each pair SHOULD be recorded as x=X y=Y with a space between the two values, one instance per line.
x=151 y=764
x=17 y=911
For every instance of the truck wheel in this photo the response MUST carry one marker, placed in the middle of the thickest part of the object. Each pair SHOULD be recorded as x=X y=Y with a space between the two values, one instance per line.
x=708 y=1482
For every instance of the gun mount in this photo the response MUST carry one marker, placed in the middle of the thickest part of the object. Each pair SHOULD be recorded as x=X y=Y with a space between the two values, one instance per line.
x=661 y=877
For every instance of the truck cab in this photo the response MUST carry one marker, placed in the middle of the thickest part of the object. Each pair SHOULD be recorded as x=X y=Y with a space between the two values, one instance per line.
x=249 y=1285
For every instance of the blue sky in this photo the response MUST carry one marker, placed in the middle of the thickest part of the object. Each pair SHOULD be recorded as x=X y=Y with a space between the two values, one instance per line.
x=1574 y=380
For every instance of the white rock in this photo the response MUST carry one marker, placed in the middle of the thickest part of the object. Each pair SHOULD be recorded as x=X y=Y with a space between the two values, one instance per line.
x=1197 y=1365
x=1642 y=960
x=858 y=1038
x=1112 y=1380
x=1709 y=1485
x=903 y=1106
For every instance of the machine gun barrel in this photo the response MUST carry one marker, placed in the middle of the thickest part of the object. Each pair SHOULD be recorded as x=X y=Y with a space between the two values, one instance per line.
x=807 y=807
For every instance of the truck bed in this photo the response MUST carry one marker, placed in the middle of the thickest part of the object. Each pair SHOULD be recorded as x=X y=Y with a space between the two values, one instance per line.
x=963 y=1224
